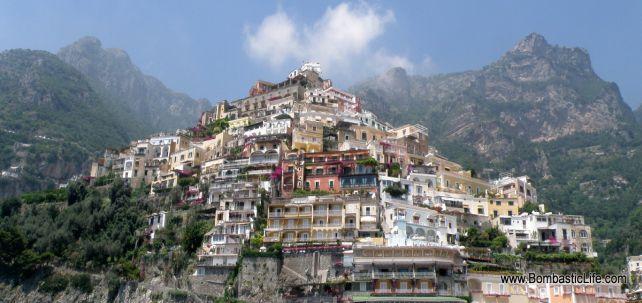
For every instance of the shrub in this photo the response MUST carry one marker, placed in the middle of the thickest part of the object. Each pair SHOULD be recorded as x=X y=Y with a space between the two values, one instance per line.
x=81 y=282
x=178 y=295
x=395 y=190
x=193 y=235
x=54 y=284
x=113 y=285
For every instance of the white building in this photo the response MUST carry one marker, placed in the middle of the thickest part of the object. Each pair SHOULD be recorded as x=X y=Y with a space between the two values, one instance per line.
x=548 y=232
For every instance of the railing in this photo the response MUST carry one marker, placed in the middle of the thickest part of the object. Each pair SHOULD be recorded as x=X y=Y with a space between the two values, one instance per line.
x=350 y=225
x=425 y=275
x=334 y=213
x=320 y=212
x=358 y=185
x=275 y=214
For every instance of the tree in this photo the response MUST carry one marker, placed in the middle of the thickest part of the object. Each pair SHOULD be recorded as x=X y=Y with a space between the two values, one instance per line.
x=76 y=191
x=529 y=208
x=193 y=235
x=10 y=207
x=13 y=243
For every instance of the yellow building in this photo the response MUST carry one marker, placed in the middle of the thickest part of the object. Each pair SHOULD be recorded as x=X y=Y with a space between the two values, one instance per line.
x=183 y=159
x=503 y=207
x=215 y=147
x=321 y=219
x=308 y=137
x=461 y=182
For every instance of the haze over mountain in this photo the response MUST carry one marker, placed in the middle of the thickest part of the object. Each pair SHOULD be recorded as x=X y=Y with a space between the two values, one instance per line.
x=535 y=92
x=141 y=97
x=51 y=121
x=59 y=111
x=539 y=110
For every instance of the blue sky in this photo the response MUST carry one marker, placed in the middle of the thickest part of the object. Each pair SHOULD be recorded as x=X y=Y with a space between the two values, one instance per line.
x=217 y=49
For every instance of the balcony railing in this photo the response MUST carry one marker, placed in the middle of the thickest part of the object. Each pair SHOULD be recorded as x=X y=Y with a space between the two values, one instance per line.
x=392 y=275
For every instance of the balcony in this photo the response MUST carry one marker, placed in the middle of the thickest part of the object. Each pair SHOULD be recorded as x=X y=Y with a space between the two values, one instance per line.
x=275 y=214
x=425 y=275
x=305 y=213
x=367 y=185
x=321 y=213
x=417 y=291
x=334 y=213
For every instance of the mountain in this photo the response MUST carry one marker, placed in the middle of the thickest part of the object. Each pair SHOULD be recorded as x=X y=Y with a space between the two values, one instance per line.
x=535 y=92
x=140 y=97
x=538 y=110
x=638 y=114
x=51 y=121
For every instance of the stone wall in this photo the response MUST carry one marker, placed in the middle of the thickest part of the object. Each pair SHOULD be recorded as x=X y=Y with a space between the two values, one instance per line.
x=258 y=280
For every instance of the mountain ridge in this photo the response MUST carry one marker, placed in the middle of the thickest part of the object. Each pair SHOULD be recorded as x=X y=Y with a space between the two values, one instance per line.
x=536 y=91
x=539 y=110
x=51 y=122
x=124 y=85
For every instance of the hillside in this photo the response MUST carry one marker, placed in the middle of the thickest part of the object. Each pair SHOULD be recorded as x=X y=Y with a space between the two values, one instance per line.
x=535 y=92
x=139 y=97
x=51 y=121
x=539 y=110
x=638 y=114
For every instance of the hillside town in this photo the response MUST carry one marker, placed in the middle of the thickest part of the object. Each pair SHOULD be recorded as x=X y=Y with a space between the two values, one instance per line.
x=357 y=209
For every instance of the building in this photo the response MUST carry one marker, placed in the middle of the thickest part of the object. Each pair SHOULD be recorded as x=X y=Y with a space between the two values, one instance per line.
x=548 y=232
x=408 y=271
x=321 y=219
x=520 y=188
x=333 y=172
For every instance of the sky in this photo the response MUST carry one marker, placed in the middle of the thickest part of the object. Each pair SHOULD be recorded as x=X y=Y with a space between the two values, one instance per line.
x=217 y=49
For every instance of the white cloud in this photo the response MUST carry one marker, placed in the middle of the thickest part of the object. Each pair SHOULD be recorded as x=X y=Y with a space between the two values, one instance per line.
x=275 y=40
x=382 y=61
x=341 y=40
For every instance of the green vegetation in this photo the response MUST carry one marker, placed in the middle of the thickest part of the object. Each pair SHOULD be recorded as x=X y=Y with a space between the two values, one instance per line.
x=81 y=282
x=370 y=161
x=555 y=257
x=394 y=170
x=56 y=119
x=492 y=238
x=529 y=208
x=98 y=231
x=304 y=193
x=54 y=284
x=193 y=234
x=395 y=190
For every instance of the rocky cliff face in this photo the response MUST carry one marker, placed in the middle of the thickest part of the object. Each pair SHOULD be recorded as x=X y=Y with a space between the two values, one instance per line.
x=51 y=121
x=638 y=114
x=143 y=98
x=535 y=92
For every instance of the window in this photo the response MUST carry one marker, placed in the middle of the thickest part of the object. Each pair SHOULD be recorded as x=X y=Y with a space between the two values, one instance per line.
x=495 y=213
x=498 y=203
x=317 y=185
x=510 y=212
x=331 y=184
x=480 y=211
x=510 y=203
x=583 y=234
